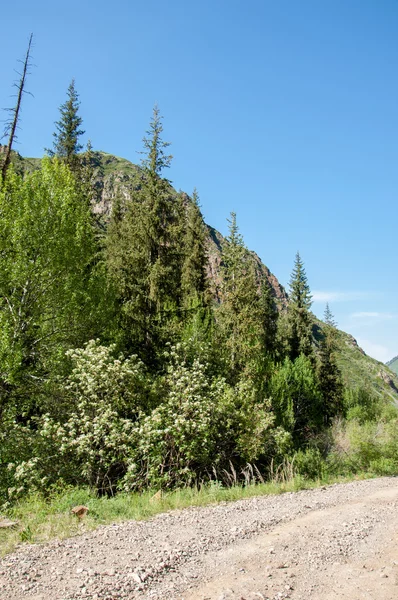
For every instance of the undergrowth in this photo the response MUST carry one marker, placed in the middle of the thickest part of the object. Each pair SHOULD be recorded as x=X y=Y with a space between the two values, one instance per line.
x=40 y=519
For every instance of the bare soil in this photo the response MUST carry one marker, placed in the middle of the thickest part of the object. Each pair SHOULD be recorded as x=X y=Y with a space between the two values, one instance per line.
x=334 y=543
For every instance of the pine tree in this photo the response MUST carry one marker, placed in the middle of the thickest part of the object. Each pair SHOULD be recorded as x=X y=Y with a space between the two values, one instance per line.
x=143 y=251
x=66 y=143
x=270 y=317
x=162 y=222
x=241 y=315
x=193 y=276
x=329 y=374
x=299 y=316
x=328 y=316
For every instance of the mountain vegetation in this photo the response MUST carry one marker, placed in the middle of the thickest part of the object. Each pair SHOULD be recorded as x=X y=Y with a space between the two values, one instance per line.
x=141 y=349
x=393 y=364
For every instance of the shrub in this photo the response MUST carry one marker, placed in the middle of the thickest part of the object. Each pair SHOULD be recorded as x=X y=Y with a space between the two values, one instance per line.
x=93 y=444
x=201 y=426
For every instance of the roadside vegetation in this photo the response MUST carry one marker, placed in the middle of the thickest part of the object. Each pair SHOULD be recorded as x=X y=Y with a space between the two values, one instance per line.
x=123 y=374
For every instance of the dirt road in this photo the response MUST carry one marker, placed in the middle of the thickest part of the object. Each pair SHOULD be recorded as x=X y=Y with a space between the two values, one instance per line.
x=335 y=543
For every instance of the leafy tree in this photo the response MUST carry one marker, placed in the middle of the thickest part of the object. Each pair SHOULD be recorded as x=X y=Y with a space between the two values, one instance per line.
x=299 y=316
x=66 y=143
x=51 y=293
x=296 y=398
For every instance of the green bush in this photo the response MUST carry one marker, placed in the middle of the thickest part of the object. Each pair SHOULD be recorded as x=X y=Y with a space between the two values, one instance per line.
x=92 y=446
x=309 y=464
x=201 y=426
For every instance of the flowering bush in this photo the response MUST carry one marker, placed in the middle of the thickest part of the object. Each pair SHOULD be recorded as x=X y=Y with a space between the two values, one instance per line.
x=202 y=425
x=93 y=445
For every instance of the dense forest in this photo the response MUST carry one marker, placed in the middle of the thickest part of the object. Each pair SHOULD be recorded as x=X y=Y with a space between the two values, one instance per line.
x=124 y=365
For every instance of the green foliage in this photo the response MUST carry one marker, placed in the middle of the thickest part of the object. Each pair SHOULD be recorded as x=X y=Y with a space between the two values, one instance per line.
x=53 y=295
x=66 y=137
x=193 y=272
x=309 y=463
x=242 y=315
x=296 y=398
x=92 y=443
x=362 y=405
x=365 y=447
x=329 y=375
x=299 y=316
x=201 y=425
x=143 y=253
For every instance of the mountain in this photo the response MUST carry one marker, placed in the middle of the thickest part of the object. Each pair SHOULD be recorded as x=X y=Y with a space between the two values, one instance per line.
x=393 y=364
x=115 y=177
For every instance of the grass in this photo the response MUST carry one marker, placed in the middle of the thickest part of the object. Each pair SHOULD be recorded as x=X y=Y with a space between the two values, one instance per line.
x=42 y=519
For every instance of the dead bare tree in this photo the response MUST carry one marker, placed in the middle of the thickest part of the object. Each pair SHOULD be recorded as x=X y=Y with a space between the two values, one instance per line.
x=12 y=124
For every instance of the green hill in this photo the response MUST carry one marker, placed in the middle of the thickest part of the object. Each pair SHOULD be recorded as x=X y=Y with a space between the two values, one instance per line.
x=393 y=364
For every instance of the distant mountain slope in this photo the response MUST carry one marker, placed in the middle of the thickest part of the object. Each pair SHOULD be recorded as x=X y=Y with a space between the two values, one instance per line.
x=116 y=177
x=393 y=364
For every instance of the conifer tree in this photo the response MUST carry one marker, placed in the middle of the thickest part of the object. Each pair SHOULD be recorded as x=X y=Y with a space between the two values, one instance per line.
x=299 y=316
x=162 y=222
x=270 y=317
x=66 y=143
x=328 y=316
x=241 y=315
x=193 y=276
x=329 y=375
x=143 y=250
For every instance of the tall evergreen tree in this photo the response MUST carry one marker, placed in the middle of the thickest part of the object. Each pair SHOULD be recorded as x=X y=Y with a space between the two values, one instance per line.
x=329 y=374
x=193 y=276
x=241 y=315
x=270 y=316
x=328 y=316
x=299 y=316
x=143 y=249
x=66 y=143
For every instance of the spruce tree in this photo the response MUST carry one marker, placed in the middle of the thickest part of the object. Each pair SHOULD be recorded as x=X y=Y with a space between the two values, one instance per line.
x=162 y=222
x=241 y=314
x=66 y=143
x=329 y=374
x=270 y=317
x=299 y=316
x=143 y=251
x=193 y=275
x=328 y=316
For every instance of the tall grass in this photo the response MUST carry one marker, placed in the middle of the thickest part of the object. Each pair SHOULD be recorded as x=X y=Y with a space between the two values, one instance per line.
x=42 y=519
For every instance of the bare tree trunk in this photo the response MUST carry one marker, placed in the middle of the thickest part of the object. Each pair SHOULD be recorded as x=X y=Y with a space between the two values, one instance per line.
x=13 y=124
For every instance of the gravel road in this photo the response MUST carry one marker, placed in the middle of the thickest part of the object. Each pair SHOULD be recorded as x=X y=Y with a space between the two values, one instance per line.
x=337 y=542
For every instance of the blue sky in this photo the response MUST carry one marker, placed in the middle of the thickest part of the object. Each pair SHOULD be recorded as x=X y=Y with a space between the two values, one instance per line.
x=285 y=112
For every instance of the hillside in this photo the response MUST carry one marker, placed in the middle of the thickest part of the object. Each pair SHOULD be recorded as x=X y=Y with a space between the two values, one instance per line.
x=393 y=364
x=116 y=177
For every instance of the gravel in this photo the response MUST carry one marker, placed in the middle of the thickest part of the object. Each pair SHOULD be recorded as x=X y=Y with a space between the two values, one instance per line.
x=296 y=545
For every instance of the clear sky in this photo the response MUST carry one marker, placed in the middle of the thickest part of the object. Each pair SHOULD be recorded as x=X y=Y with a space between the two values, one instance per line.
x=283 y=111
